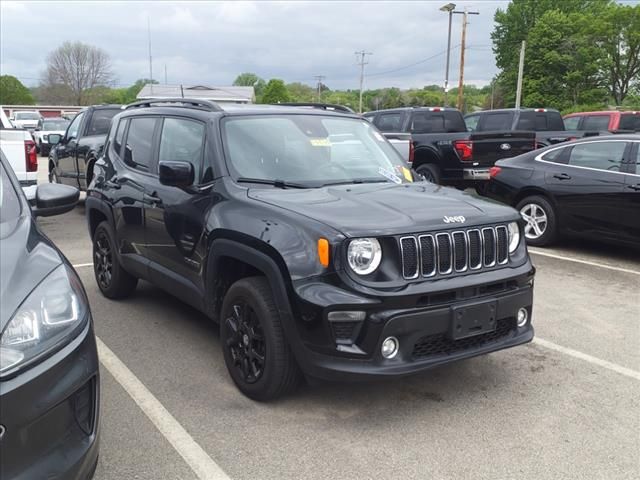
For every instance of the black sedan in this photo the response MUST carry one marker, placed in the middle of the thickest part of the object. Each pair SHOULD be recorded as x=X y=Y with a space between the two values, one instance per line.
x=49 y=383
x=588 y=188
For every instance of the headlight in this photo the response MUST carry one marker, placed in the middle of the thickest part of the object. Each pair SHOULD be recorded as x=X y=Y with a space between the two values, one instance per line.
x=514 y=236
x=364 y=255
x=52 y=314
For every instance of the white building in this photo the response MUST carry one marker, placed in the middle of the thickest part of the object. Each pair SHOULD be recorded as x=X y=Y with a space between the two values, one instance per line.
x=203 y=92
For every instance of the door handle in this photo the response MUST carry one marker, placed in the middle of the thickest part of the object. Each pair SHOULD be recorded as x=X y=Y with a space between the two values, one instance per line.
x=152 y=199
x=562 y=176
x=635 y=187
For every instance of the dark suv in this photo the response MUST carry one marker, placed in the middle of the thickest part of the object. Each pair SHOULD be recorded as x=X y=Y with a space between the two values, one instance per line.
x=303 y=233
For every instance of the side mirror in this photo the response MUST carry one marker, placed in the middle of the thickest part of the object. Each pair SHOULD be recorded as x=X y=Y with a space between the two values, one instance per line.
x=55 y=199
x=54 y=138
x=176 y=174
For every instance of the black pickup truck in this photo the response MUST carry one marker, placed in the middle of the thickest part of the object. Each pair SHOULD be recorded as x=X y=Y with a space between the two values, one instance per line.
x=443 y=151
x=547 y=123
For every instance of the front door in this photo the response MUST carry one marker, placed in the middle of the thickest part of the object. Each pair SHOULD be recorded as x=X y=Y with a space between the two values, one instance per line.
x=66 y=152
x=631 y=197
x=588 y=187
x=174 y=217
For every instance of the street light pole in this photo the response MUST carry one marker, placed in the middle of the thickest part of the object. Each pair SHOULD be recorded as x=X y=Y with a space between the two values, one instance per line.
x=449 y=7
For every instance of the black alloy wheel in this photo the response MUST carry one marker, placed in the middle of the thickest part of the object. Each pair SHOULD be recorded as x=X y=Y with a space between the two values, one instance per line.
x=245 y=341
x=103 y=260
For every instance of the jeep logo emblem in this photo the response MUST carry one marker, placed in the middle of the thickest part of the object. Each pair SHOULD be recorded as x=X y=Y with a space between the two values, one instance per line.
x=505 y=146
x=456 y=219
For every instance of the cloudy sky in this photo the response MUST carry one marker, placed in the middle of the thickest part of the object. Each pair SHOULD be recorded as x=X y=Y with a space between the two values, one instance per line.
x=211 y=42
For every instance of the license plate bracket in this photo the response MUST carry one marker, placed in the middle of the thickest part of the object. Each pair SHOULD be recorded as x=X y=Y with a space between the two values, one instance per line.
x=473 y=319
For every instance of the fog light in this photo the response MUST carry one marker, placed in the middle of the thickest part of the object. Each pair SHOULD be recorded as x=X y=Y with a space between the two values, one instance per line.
x=390 y=347
x=523 y=316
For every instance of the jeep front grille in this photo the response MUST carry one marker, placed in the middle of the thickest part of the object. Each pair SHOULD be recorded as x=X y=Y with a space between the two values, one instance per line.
x=446 y=253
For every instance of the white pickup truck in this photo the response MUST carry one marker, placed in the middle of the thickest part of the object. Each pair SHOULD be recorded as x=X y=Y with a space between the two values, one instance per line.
x=20 y=150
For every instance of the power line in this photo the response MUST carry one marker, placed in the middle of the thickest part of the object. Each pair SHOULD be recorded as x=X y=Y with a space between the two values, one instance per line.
x=412 y=64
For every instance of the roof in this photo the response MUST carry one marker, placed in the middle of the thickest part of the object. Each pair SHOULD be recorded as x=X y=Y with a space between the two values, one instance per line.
x=605 y=112
x=217 y=94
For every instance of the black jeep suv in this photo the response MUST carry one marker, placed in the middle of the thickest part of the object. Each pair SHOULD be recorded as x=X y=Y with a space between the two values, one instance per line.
x=303 y=233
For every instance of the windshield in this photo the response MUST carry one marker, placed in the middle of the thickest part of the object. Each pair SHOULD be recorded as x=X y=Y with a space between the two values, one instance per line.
x=27 y=116
x=55 y=125
x=310 y=150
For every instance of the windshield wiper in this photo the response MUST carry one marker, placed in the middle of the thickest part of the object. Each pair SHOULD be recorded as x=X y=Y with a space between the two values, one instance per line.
x=356 y=180
x=276 y=183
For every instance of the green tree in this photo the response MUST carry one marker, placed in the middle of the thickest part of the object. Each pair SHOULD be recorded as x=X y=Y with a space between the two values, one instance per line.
x=13 y=92
x=249 y=79
x=618 y=31
x=299 y=92
x=275 y=92
x=514 y=24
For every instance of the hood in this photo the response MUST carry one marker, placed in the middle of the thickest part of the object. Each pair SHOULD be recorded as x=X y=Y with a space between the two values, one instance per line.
x=386 y=209
x=27 y=258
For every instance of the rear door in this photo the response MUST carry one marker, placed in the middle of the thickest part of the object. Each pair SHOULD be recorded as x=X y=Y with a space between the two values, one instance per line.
x=95 y=133
x=66 y=151
x=631 y=217
x=588 y=186
x=175 y=216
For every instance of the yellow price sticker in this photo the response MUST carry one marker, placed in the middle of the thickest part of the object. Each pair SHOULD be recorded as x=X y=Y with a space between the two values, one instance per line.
x=320 y=142
x=407 y=174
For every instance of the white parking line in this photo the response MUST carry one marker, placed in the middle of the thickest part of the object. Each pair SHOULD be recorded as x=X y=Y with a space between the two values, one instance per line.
x=627 y=372
x=535 y=251
x=201 y=463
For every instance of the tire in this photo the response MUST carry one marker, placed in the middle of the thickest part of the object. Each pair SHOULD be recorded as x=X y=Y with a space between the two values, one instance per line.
x=53 y=176
x=113 y=280
x=547 y=224
x=429 y=172
x=255 y=350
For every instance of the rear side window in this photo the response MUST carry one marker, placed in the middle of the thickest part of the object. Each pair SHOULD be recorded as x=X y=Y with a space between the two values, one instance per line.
x=497 y=121
x=572 y=123
x=138 y=147
x=596 y=122
x=472 y=122
x=100 y=121
x=182 y=141
x=555 y=156
x=630 y=122
x=437 y=122
x=389 y=122
x=599 y=155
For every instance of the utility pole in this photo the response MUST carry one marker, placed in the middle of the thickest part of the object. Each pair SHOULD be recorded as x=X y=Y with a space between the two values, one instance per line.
x=449 y=7
x=362 y=63
x=150 y=60
x=319 y=78
x=462 y=49
x=520 y=74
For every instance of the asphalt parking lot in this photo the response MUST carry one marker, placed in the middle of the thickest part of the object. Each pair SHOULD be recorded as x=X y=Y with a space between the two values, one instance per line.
x=566 y=406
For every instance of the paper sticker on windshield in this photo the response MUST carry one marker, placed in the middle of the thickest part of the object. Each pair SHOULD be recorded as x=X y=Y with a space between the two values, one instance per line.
x=389 y=175
x=320 y=142
x=379 y=137
x=407 y=174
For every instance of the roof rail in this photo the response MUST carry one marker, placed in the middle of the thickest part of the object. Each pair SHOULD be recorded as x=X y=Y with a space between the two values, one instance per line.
x=320 y=106
x=185 y=102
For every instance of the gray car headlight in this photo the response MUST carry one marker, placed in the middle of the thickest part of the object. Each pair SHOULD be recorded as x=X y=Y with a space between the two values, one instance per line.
x=51 y=315
x=514 y=236
x=364 y=255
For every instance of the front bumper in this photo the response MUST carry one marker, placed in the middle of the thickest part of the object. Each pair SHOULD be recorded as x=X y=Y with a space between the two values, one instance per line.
x=423 y=332
x=50 y=415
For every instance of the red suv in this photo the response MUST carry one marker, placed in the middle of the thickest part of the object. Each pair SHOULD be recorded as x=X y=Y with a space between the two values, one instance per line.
x=599 y=121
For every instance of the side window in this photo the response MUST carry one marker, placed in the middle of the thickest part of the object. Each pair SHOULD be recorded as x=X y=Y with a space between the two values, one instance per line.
x=596 y=122
x=635 y=165
x=138 y=147
x=72 y=131
x=472 y=122
x=556 y=156
x=117 y=141
x=389 y=122
x=598 y=155
x=630 y=121
x=572 y=123
x=369 y=117
x=182 y=141
x=100 y=121
x=497 y=121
